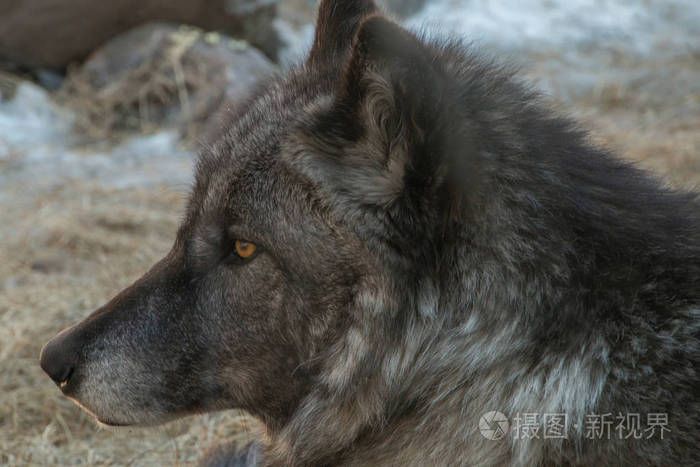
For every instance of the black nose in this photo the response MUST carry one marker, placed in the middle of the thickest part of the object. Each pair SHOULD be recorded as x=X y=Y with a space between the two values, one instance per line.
x=59 y=358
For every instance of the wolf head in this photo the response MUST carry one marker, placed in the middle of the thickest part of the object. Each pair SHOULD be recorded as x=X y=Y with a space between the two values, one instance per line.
x=329 y=235
x=331 y=178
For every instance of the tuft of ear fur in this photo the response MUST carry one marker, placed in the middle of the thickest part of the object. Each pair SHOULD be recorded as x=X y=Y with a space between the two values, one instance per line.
x=336 y=27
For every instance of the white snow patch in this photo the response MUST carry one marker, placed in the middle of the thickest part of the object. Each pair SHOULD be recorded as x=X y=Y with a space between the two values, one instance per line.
x=31 y=119
x=38 y=150
x=639 y=27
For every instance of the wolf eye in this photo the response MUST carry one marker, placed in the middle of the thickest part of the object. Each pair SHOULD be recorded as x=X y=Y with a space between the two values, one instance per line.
x=245 y=249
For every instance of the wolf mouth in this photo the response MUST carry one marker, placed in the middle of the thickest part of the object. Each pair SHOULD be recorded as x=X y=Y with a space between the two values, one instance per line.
x=112 y=424
x=100 y=421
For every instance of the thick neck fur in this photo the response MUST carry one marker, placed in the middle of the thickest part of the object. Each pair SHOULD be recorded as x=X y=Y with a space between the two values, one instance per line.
x=454 y=349
x=529 y=307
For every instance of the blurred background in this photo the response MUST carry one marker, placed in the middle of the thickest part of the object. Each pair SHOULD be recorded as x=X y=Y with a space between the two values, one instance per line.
x=104 y=106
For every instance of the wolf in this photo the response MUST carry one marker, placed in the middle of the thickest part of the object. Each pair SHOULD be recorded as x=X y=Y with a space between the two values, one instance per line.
x=398 y=254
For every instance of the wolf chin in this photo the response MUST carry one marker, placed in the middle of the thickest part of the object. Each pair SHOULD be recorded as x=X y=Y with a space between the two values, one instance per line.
x=393 y=240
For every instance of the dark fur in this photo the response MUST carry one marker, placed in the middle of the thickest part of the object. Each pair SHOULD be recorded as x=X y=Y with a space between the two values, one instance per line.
x=435 y=243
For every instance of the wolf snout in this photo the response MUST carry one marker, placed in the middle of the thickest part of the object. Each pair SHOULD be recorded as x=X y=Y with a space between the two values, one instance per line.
x=59 y=357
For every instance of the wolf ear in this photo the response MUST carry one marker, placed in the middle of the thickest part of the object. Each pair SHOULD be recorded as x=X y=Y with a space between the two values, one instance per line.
x=336 y=27
x=390 y=65
x=390 y=101
x=387 y=139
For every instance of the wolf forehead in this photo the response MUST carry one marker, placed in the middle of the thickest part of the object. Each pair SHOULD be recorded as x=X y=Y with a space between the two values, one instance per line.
x=256 y=134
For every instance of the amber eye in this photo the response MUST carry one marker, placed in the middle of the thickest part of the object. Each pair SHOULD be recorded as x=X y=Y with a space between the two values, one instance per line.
x=245 y=249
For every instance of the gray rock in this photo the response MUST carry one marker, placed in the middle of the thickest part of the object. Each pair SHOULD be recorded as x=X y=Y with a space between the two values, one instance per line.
x=55 y=33
x=164 y=74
